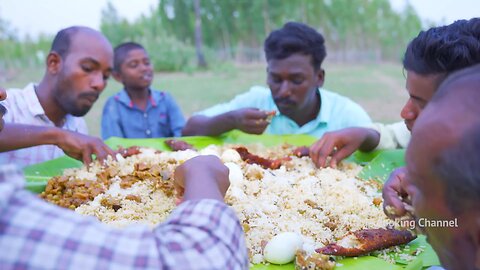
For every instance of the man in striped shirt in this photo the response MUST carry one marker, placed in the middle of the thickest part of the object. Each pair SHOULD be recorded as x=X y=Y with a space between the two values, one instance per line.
x=77 y=69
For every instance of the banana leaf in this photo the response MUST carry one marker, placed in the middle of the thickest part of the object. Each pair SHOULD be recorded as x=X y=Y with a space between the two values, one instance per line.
x=378 y=165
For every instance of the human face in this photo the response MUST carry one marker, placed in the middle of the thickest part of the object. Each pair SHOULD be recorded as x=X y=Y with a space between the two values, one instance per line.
x=136 y=71
x=84 y=72
x=3 y=96
x=428 y=195
x=294 y=82
x=420 y=89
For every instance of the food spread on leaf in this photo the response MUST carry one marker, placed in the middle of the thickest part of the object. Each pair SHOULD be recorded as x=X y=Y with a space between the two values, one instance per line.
x=289 y=209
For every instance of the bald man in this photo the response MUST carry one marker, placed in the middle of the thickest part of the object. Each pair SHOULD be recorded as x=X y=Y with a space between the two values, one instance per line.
x=443 y=170
x=50 y=112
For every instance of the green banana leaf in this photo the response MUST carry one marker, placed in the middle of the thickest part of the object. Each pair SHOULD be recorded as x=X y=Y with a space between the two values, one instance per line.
x=378 y=165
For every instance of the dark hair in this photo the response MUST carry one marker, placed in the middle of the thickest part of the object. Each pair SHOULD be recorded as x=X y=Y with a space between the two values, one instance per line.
x=120 y=53
x=293 y=38
x=444 y=49
x=61 y=42
x=458 y=166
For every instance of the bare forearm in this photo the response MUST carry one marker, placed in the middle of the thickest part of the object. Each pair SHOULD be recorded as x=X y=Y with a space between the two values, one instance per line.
x=209 y=126
x=17 y=136
x=371 y=140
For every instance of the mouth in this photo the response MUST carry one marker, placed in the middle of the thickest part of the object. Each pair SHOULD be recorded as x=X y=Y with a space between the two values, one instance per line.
x=91 y=98
x=147 y=77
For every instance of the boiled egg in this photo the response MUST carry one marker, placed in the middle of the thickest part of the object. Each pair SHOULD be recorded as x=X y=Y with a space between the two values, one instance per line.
x=282 y=247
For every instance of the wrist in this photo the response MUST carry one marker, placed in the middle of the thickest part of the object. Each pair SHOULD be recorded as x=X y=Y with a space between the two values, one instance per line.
x=53 y=135
x=232 y=119
x=371 y=141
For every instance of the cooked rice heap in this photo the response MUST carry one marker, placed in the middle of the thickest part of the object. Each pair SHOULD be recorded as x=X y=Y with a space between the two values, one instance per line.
x=322 y=205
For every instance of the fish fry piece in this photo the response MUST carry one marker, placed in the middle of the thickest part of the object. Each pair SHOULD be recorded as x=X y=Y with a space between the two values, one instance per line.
x=365 y=241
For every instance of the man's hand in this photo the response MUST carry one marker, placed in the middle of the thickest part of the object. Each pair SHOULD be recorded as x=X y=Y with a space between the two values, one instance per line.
x=393 y=192
x=342 y=143
x=3 y=94
x=251 y=120
x=82 y=147
x=3 y=110
x=202 y=177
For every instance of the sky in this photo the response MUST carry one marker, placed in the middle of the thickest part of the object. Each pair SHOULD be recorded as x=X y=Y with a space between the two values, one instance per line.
x=33 y=17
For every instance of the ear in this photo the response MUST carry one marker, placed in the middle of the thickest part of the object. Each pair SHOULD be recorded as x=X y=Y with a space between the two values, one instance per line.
x=320 y=77
x=117 y=76
x=54 y=63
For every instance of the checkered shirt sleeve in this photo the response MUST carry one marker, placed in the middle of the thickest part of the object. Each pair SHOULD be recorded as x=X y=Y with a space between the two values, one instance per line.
x=203 y=234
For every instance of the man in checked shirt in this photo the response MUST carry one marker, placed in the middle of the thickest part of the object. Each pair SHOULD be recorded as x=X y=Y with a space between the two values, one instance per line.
x=202 y=233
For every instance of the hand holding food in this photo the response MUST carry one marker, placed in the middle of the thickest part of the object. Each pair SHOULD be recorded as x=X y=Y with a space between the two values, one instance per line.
x=394 y=194
x=341 y=144
x=202 y=177
x=251 y=120
x=82 y=147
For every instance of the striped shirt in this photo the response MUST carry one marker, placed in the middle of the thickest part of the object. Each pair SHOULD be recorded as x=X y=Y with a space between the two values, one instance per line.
x=34 y=234
x=24 y=108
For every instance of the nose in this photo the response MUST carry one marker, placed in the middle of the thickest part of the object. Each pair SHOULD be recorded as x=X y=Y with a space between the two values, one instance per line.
x=409 y=112
x=98 y=82
x=145 y=66
x=284 y=90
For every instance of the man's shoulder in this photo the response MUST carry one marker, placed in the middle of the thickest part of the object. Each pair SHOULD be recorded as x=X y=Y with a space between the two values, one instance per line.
x=336 y=99
x=259 y=90
x=15 y=93
x=327 y=94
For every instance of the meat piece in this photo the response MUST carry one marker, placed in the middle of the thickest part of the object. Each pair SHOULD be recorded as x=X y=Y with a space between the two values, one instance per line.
x=264 y=162
x=130 y=151
x=177 y=145
x=302 y=151
x=365 y=241
x=270 y=115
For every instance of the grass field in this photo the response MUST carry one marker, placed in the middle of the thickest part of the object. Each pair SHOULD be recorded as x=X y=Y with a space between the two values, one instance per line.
x=379 y=88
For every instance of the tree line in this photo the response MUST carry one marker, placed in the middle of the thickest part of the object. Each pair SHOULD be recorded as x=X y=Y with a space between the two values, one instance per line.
x=186 y=34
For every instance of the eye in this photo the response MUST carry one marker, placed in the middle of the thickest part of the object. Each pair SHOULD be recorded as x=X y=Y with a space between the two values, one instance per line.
x=297 y=81
x=275 y=79
x=87 y=68
x=133 y=64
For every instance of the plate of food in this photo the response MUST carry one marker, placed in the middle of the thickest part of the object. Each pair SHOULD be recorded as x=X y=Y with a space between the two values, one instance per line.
x=293 y=214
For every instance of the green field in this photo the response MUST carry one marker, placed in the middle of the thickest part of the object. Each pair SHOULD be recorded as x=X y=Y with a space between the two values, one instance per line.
x=378 y=87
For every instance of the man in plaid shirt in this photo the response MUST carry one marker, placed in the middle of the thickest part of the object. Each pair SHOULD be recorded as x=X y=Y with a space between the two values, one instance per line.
x=202 y=233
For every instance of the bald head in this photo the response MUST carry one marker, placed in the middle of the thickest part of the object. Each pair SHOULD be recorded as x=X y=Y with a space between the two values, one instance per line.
x=66 y=37
x=447 y=138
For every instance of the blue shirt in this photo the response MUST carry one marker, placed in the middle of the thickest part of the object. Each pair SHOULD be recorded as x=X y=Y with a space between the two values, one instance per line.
x=161 y=118
x=336 y=112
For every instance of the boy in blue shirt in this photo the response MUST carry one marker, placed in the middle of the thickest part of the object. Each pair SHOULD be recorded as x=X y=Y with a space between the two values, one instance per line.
x=138 y=111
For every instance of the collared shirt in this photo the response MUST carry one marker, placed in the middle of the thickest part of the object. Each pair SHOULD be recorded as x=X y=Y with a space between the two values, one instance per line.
x=161 y=118
x=34 y=234
x=336 y=112
x=392 y=136
x=24 y=108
